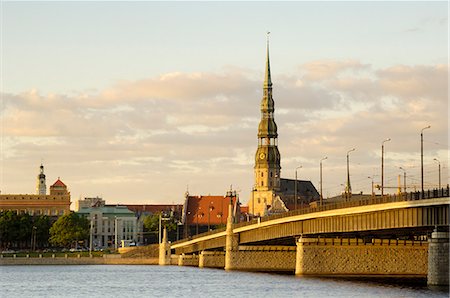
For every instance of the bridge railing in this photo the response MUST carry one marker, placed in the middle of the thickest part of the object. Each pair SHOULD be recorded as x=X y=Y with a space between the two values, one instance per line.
x=410 y=196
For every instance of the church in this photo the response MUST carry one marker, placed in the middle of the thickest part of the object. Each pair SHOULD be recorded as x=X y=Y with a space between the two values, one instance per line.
x=272 y=194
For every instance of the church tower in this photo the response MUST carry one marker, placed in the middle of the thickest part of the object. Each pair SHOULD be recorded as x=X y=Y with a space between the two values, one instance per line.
x=267 y=158
x=41 y=188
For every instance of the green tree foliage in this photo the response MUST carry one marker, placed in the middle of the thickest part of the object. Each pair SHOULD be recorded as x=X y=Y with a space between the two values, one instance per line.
x=43 y=225
x=151 y=222
x=68 y=229
x=15 y=230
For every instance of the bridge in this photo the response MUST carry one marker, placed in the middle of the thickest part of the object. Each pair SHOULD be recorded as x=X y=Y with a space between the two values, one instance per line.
x=404 y=235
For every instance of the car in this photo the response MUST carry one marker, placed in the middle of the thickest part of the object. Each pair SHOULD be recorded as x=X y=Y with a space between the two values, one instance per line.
x=8 y=251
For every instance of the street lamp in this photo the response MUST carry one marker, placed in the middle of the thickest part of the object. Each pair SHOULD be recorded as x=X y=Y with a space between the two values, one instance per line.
x=439 y=172
x=33 y=238
x=295 y=195
x=404 y=179
x=371 y=177
x=348 y=188
x=211 y=208
x=115 y=231
x=382 y=165
x=421 y=157
x=321 y=193
x=159 y=229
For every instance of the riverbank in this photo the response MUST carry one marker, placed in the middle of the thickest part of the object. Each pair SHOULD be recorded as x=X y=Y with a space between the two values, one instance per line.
x=78 y=261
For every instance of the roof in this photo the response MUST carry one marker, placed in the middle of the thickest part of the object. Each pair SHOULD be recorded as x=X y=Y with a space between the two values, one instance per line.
x=151 y=209
x=106 y=210
x=306 y=193
x=207 y=209
x=59 y=183
x=304 y=188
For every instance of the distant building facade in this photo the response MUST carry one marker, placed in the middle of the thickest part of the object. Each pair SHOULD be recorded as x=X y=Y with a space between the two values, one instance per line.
x=201 y=213
x=89 y=202
x=110 y=223
x=56 y=203
x=271 y=193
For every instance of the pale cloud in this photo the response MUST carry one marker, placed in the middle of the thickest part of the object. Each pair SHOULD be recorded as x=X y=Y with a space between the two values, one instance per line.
x=147 y=139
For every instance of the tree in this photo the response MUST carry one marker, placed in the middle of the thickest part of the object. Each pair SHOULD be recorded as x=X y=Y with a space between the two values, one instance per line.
x=151 y=222
x=43 y=225
x=15 y=229
x=68 y=229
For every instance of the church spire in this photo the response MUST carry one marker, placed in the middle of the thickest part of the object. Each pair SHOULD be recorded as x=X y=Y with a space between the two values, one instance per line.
x=267 y=158
x=267 y=79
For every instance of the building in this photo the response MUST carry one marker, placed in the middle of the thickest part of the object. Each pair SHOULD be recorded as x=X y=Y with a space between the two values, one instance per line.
x=56 y=203
x=110 y=224
x=271 y=193
x=89 y=202
x=204 y=213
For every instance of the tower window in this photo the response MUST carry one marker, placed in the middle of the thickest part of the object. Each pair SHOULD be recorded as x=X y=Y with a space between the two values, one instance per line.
x=262 y=183
x=262 y=174
x=271 y=174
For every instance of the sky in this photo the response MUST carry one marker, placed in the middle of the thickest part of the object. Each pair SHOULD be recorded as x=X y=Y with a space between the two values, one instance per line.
x=137 y=102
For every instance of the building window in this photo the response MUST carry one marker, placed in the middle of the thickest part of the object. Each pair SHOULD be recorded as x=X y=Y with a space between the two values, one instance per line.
x=271 y=174
x=262 y=183
x=262 y=174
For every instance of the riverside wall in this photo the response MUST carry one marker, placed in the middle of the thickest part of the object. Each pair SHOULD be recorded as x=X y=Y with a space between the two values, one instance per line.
x=353 y=257
x=263 y=258
x=212 y=259
x=106 y=260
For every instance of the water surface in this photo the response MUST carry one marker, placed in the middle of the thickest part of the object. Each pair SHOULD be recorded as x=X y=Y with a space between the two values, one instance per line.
x=174 y=281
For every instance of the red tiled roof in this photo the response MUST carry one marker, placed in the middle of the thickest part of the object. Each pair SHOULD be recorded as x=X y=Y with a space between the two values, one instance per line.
x=204 y=209
x=244 y=209
x=59 y=183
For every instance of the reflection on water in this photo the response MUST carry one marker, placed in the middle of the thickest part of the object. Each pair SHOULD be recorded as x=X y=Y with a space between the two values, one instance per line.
x=174 y=281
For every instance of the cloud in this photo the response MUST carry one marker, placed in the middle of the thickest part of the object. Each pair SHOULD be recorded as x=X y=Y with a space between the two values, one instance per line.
x=147 y=139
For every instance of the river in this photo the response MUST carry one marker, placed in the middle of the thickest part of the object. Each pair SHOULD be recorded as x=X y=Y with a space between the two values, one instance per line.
x=174 y=281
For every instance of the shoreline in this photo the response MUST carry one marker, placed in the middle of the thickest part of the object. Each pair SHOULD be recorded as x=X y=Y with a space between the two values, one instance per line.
x=78 y=261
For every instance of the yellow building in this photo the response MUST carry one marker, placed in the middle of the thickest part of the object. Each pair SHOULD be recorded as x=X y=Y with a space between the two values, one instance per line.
x=56 y=203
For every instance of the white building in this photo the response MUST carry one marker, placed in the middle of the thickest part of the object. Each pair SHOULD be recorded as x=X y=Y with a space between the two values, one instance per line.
x=110 y=225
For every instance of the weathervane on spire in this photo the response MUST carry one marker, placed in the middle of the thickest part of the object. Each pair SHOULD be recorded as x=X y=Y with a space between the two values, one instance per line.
x=268 y=33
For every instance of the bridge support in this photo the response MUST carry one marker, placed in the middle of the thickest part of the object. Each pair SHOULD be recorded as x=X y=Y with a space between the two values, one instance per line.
x=211 y=259
x=438 y=259
x=164 y=250
x=188 y=260
x=382 y=257
x=231 y=244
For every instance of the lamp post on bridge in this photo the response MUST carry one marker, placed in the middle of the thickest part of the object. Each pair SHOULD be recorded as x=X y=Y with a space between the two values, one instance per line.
x=421 y=158
x=439 y=171
x=295 y=195
x=372 y=177
x=382 y=165
x=321 y=191
x=348 y=187
x=404 y=179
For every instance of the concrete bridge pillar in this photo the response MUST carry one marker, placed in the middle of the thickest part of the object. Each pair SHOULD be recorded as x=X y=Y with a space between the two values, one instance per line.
x=164 y=250
x=438 y=259
x=231 y=244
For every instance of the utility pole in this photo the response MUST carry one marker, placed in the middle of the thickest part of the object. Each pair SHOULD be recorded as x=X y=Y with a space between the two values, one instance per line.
x=295 y=195
x=404 y=179
x=421 y=158
x=348 y=188
x=382 y=166
x=321 y=190
x=439 y=172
